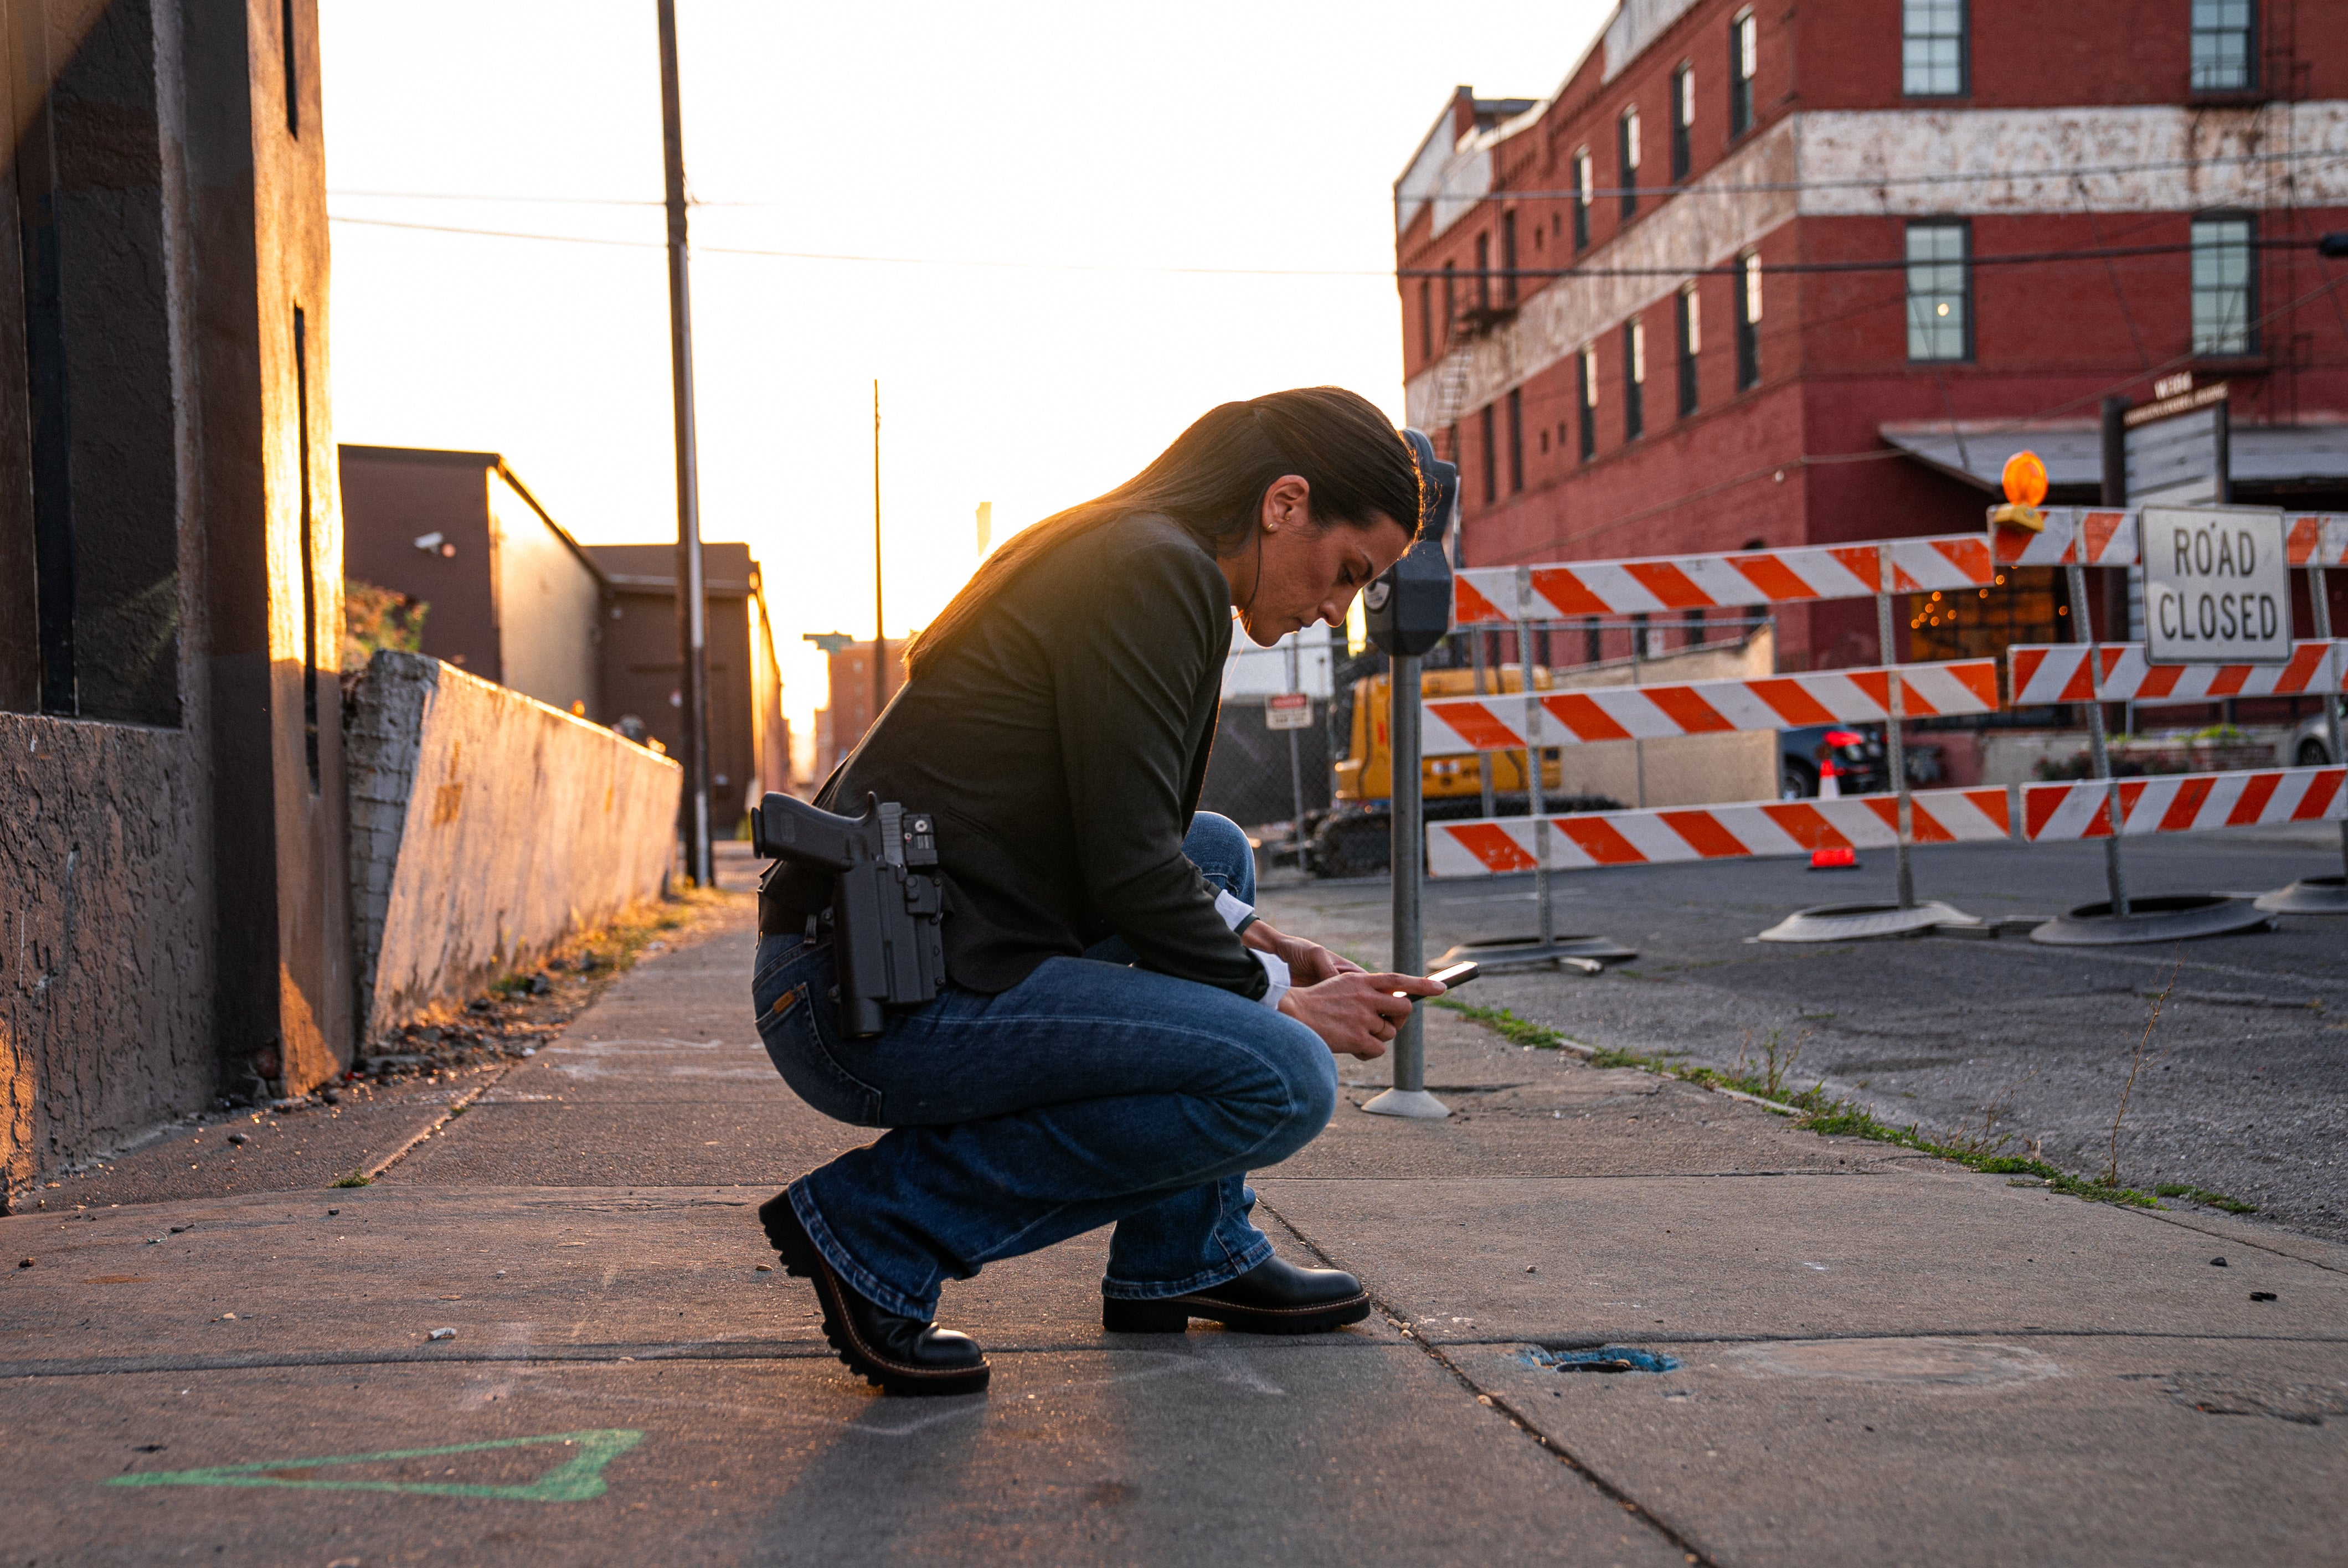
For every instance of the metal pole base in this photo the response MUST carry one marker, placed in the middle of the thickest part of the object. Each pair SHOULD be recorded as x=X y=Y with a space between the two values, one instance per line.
x=2173 y=918
x=1510 y=955
x=1415 y=1103
x=2309 y=895
x=1856 y=922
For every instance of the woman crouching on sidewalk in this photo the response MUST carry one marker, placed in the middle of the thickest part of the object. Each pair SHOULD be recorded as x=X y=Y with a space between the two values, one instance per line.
x=1121 y=1040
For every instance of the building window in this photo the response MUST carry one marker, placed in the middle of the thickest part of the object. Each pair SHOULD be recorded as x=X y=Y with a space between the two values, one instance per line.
x=1749 y=323
x=1491 y=457
x=1426 y=320
x=1744 y=64
x=1484 y=272
x=2223 y=61
x=1584 y=186
x=1589 y=401
x=1627 y=146
x=1691 y=325
x=1509 y=257
x=2225 y=287
x=1450 y=300
x=1634 y=378
x=1932 y=48
x=1516 y=440
x=1683 y=121
x=1593 y=642
x=1939 y=320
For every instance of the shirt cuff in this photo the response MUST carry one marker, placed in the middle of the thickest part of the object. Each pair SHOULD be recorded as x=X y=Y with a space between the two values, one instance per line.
x=1239 y=916
x=1275 y=969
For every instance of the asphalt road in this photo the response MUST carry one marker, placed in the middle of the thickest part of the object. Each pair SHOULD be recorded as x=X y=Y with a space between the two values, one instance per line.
x=2243 y=1088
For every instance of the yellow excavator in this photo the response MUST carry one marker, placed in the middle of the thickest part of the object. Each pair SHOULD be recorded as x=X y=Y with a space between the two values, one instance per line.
x=1354 y=836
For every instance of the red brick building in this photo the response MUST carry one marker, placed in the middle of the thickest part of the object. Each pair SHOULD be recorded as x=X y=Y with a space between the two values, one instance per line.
x=1766 y=275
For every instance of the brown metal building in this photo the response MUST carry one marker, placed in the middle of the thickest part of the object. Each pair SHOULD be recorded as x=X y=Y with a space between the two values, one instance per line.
x=749 y=741
x=512 y=596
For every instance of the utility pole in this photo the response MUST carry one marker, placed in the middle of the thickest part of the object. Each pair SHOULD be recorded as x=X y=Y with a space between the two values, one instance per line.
x=880 y=627
x=692 y=619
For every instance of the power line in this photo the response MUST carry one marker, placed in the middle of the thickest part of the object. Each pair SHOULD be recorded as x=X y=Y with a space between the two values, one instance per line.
x=1728 y=268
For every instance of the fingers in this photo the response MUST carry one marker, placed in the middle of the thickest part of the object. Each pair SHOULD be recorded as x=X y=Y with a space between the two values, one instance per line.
x=1409 y=985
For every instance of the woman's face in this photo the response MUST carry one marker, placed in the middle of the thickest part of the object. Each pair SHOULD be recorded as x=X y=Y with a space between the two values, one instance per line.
x=1292 y=570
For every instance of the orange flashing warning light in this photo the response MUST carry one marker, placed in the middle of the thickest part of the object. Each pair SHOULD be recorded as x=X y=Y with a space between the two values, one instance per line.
x=2024 y=480
x=1843 y=859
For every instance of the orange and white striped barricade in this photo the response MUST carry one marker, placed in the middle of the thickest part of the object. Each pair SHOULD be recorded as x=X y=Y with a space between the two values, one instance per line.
x=1484 y=595
x=1513 y=720
x=2057 y=672
x=1583 y=841
x=2182 y=802
x=2111 y=537
x=1492 y=596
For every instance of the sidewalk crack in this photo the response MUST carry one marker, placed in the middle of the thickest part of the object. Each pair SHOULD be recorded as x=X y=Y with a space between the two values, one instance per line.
x=1498 y=1404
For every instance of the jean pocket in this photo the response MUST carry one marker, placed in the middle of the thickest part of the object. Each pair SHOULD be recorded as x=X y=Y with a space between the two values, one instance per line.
x=799 y=1024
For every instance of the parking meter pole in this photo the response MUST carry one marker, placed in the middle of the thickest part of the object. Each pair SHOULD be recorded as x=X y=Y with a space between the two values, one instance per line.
x=1483 y=759
x=2320 y=601
x=1895 y=740
x=2082 y=630
x=1407 y=611
x=1295 y=768
x=1535 y=764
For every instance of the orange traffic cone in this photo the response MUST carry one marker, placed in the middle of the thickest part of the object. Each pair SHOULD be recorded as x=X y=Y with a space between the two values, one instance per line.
x=1843 y=859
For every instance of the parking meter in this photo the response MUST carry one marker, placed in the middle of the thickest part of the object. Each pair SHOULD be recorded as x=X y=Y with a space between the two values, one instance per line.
x=1408 y=609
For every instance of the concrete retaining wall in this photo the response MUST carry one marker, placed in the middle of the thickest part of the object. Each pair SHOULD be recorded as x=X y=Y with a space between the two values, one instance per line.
x=484 y=827
x=106 y=923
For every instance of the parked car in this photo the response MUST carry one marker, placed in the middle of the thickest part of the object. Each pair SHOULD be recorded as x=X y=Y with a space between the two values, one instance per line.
x=1861 y=766
x=2310 y=743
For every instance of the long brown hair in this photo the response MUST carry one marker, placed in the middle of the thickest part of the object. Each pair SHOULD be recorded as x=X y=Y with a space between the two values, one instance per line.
x=1212 y=480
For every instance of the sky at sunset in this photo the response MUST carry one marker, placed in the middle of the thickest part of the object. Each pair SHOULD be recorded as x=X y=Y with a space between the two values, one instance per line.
x=1038 y=174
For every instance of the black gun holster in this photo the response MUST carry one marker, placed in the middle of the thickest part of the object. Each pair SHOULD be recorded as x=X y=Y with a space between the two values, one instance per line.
x=888 y=907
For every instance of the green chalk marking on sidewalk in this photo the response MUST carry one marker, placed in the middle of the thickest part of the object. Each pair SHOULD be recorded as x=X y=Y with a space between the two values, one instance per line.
x=575 y=1479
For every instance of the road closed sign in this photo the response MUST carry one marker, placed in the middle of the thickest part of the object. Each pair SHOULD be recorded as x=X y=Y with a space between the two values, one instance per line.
x=2217 y=587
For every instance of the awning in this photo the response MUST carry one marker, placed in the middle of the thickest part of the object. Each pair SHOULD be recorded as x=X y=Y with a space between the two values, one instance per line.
x=2262 y=457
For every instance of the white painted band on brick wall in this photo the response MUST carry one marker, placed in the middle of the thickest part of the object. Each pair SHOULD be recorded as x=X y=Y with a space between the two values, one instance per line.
x=2007 y=161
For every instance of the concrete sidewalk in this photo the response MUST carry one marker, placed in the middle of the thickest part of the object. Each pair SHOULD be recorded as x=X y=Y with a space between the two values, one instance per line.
x=1882 y=1359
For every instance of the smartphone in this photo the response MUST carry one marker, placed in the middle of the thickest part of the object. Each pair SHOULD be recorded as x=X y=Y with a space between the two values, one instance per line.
x=1456 y=976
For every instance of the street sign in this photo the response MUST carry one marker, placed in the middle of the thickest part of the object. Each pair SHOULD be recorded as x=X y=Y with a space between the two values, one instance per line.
x=1288 y=711
x=2217 y=586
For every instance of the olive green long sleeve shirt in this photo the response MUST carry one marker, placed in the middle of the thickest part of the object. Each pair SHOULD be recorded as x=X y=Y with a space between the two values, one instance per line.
x=1061 y=741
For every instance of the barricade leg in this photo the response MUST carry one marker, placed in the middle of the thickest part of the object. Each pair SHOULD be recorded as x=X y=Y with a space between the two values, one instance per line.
x=2171 y=917
x=2320 y=895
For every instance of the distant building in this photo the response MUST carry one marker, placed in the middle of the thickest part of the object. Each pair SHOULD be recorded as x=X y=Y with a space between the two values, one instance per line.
x=842 y=723
x=1769 y=276
x=512 y=596
x=749 y=740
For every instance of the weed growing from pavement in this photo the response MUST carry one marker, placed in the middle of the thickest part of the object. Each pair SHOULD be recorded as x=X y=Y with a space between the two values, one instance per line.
x=1508 y=1026
x=2136 y=1065
x=356 y=1181
x=2204 y=1196
x=1813 y=1109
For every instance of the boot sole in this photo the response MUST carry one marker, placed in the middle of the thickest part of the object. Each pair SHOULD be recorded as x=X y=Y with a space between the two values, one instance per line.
x=1173 y=1315
x=801 y=1259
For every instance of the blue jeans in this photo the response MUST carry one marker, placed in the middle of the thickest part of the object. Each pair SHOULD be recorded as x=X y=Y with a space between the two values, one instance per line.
x=1090 y=1093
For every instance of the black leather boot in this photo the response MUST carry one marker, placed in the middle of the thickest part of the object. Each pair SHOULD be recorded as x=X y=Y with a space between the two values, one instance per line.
x=1273 y=1297
x=898 y=1355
